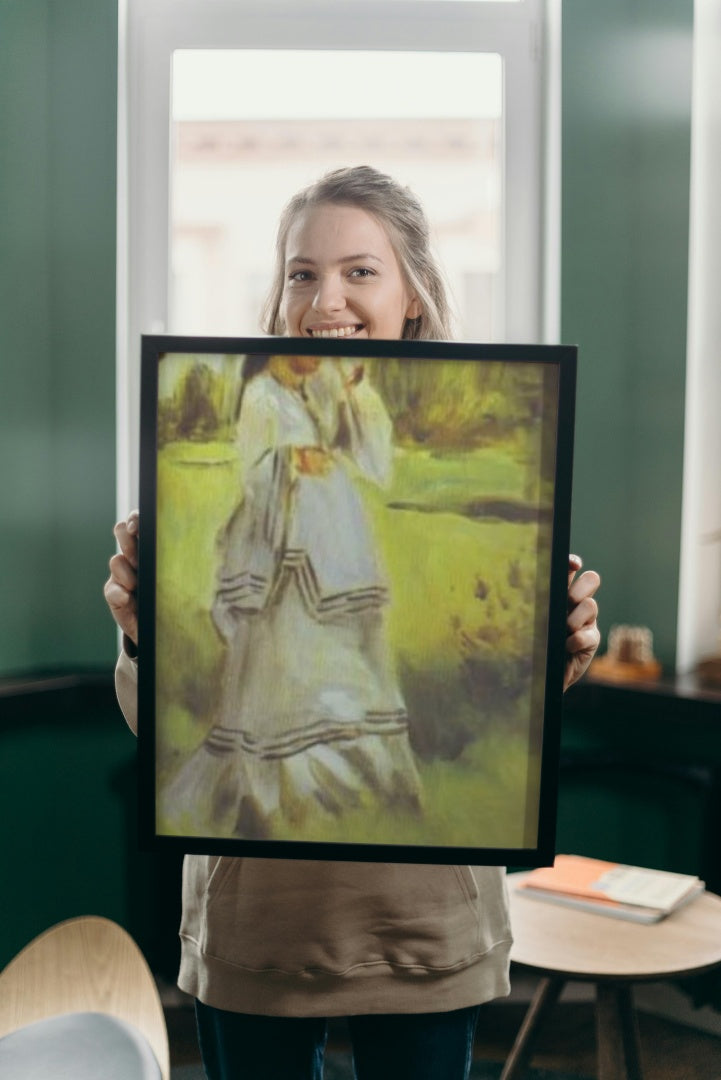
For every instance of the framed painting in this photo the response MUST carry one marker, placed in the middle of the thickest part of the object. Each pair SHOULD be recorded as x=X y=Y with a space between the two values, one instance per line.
x=352 y=597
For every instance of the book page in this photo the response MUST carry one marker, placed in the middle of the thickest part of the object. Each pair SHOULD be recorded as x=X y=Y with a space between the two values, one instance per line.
x=652 y=888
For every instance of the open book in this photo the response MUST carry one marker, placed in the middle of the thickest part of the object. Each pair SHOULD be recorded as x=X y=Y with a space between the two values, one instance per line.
x=608 y=888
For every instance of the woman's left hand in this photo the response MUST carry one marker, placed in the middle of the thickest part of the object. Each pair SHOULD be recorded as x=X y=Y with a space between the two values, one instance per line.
x=582 y=633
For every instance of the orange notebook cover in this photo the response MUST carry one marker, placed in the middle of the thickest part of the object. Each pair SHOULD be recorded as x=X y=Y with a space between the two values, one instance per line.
x=609 y=882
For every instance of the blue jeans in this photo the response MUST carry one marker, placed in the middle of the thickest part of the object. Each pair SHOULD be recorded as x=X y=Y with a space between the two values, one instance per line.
x=414 y=1046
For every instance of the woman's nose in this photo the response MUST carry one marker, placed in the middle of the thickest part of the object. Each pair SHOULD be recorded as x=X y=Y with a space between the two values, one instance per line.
x=329 y=295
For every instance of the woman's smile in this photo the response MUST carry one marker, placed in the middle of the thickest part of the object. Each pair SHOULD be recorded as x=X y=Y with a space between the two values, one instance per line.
x=334 y=331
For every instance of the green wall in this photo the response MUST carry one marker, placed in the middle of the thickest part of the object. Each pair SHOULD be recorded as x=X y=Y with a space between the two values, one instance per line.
x=58 y=73
x=626 y=137
x=626 y=145
x=67 y=773
x=626 y=126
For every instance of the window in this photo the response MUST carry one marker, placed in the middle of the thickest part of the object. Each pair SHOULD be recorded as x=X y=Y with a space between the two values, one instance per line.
x=699 y=624
x=448 y=95
x=235 y=161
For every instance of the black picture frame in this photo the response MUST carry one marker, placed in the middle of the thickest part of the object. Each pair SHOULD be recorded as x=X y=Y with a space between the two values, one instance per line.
x=312 y=687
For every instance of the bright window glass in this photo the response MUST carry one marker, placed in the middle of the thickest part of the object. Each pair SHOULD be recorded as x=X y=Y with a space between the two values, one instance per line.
x=484 y=160
x=456 y=1
x=252 y=127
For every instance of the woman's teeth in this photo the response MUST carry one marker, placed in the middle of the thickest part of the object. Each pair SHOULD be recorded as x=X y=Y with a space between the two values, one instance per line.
x=337 y=331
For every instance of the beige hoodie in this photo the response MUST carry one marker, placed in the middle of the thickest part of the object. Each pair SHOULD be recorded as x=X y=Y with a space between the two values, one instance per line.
x=284 y=937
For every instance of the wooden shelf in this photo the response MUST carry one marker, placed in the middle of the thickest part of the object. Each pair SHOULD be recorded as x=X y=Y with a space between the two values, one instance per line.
x=679 y=698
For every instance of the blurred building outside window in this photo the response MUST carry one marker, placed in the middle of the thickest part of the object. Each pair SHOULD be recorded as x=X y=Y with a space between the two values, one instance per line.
x=236 y=160
x=228 y=107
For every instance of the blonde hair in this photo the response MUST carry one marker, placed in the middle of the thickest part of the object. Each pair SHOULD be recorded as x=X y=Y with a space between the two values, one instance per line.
x=403 y=217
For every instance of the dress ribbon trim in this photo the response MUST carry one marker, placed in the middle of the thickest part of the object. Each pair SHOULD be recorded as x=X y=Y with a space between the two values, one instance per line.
x=246 y=591
x=224 y=740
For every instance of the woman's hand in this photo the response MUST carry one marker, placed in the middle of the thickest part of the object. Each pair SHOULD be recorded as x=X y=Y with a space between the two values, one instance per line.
x=312 y=460
x=120 y=588
x=582 y=634
x=354 y=377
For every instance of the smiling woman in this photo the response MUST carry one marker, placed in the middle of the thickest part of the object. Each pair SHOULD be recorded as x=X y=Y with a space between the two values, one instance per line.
x=446 y=96
x=353 y=259
x=329 y=291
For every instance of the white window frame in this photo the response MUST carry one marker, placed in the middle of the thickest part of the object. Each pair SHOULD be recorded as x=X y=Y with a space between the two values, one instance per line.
x=526 y=34
x=699 y=597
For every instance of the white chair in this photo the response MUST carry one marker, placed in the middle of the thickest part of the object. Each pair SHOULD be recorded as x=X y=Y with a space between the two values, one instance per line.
x=80 y=1002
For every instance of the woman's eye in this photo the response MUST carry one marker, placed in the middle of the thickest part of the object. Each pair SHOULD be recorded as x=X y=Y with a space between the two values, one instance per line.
x=300 y=276
x=362 y=272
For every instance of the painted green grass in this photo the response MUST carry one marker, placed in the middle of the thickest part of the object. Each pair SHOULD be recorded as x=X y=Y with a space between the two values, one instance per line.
x=197 y=491
x=450 y=586
x=430 y=476
x=475 y=801
x=436 y=564
x=471 y=802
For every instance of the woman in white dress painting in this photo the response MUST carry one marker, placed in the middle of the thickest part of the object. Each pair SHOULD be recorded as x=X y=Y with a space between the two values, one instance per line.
x=311 y=719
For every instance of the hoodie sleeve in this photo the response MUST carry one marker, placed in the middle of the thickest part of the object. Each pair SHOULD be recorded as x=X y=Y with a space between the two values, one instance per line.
x=126 y=688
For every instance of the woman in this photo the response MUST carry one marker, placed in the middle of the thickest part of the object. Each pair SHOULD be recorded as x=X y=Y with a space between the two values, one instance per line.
x=271 y=948
x=311 y=720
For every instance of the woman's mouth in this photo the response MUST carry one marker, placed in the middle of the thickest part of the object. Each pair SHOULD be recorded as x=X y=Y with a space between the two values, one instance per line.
x=334 y=331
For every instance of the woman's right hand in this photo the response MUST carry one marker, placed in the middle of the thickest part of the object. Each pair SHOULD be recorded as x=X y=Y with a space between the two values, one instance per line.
x=121 y=587
x=312 y=460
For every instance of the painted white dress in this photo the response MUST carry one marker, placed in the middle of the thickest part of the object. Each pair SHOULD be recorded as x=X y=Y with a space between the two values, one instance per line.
x=311 y=721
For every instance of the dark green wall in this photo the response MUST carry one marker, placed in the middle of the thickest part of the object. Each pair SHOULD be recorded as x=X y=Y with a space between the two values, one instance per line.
x=641 y=777
x=626 y=102
x=68 y=804
x=626 y=132
x=626 y=146
x=66 y=760
x=58 y=74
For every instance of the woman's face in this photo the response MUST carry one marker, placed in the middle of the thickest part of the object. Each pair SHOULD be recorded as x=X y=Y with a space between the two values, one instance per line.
x=342 y=277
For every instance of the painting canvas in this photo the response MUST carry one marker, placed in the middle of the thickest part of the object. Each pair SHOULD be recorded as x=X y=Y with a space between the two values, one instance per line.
x=352 y=596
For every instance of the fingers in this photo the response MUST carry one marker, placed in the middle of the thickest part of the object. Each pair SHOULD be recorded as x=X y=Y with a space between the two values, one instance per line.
x=582 y=634
x=575 y=562
x=126 y=534
x=583 y=612
x=583 y=587
x=586 y=640
x=312 y=461
x=123 y=608
x=582 y=607
x=123 y=573
x=121 y=586
x=581 y=648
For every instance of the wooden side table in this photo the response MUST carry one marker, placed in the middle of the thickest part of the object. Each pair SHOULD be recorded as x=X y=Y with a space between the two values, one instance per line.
x=563 y=944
